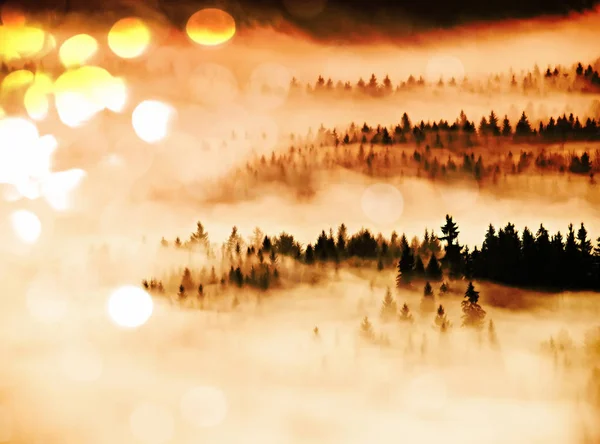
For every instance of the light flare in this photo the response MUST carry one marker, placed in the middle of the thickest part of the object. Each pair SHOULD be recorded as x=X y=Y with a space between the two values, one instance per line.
x=151 y=120
x=15 y=81
x=27 y=226
x=83 y=92
x=130 y=306
x=77 y=50
x=20 y=42
x=210 y=27
x=36 y=101
x=129 y=38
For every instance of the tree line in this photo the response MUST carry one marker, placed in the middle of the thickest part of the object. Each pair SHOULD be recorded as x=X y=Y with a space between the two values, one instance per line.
x=540 y=260
x=462 y=132
x=557 y=78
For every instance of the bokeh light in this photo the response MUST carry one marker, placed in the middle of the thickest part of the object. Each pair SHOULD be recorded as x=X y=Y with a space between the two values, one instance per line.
x=77 y=50
x=269 y=86
x=204 y=406
x=27 y=226
x=151 y=120
x=116 y=95
x=382 y=203
x=210 y=27
x=445 y=67
x=18 y=141
x=21 y=42
x=15 y=81
x=36 y=101
x=83 y=92
x=37 y=96
x=152 y=424
x=130 y=306
x=129 y=38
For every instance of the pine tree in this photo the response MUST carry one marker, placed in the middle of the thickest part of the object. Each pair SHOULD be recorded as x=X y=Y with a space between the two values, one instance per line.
x=419 y=271
x=309 y=255
x=406 y=265
x=427 y=290
x=433 y=270
x=239 y=277
x=366 y=329
x=473 y=314
x=186 y=279
x=493 y=124
x=200 y=236
x=406 y=315
x=506 y=127
x=441 y=320
x=389 y=309
x=444 y=288
x=181 y=293
x=316 y=332
x=452 y=259
x=427 y=304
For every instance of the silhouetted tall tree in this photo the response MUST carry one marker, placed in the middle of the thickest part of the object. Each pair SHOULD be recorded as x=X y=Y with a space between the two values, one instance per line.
x=473 y=314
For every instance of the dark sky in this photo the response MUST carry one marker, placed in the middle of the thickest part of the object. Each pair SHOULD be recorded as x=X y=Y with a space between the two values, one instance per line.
x=336 y=19
x=393 y=16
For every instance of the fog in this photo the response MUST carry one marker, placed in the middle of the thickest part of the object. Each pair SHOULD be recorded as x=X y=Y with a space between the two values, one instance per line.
x=258 y=372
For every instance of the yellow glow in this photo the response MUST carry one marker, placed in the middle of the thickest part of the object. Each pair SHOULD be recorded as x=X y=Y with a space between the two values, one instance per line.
x=27 y=226
x=129 y=38
x=150 y=120
x=130 y=306
x=44 y=81
x=2 y=112
x=19 y=42
x=82 y=92
x=77 y=50
x=16 y=80
x=36 y=102
x=210 y=27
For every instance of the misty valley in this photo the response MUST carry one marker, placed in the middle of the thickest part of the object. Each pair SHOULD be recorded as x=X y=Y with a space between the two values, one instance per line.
x=234 y=229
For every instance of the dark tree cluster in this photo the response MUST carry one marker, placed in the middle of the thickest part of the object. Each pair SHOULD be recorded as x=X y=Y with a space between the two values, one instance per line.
x=527 y=260
x=463 y=132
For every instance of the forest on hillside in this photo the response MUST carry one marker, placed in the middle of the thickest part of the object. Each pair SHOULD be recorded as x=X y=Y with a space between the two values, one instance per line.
x=537 y=260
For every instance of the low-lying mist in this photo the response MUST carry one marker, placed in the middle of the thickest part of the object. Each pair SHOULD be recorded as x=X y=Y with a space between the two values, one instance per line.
x=288 y=365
